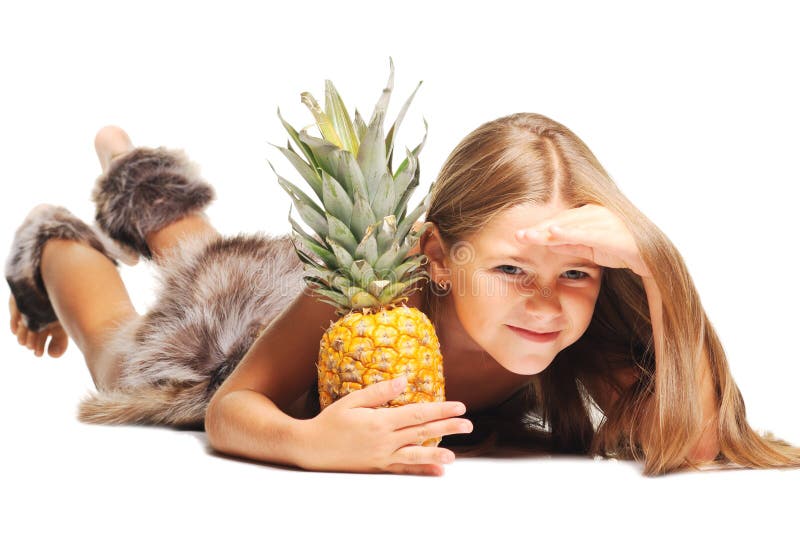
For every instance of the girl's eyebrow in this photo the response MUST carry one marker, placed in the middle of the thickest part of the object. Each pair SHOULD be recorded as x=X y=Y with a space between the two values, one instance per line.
x=579 y=264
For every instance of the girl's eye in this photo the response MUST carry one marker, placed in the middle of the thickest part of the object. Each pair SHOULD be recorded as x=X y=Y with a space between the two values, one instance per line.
x=578 y=274
x=581 y=275
x=508 y=266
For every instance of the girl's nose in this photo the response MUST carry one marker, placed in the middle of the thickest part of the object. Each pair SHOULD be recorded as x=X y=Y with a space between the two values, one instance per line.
x=542 y=299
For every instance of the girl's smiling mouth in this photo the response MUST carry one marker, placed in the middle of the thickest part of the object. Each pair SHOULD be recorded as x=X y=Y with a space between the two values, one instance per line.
x=533 y=335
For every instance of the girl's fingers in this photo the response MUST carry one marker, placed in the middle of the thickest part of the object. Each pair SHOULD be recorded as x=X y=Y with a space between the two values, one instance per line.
x=553 y=237
x=413 y=469
x=581 y=216
x=413 y=415
x=549 y=235
x=573 y=250
x=586 y=216
x=575 y=235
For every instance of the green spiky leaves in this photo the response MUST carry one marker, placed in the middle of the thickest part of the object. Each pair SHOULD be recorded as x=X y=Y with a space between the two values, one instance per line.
x=359 y=256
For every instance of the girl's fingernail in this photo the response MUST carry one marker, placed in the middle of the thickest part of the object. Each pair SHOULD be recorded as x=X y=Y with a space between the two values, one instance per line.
x=532 y=234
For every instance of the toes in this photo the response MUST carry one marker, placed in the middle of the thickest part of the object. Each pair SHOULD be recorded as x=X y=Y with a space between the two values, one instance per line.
x=14 y=323
x=13 y=312
x=41 y=338
x=57 y=347
x=22 y=334
x=37 y=341
x=30 y=340
x=59 y=342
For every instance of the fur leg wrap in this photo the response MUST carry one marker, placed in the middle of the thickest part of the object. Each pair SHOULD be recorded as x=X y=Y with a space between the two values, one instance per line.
x=23 y=266
x=214 y=298
x=145 y=190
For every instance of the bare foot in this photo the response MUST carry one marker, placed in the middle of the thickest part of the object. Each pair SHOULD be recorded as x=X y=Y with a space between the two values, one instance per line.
x=36 y=341
x=111 y=142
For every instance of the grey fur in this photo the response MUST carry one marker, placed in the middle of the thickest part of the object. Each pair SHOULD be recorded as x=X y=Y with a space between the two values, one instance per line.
x=214 y=297
x=146 y=189
x=23 y=266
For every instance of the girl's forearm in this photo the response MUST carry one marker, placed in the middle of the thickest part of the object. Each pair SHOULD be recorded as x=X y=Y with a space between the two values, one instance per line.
x=248 y=424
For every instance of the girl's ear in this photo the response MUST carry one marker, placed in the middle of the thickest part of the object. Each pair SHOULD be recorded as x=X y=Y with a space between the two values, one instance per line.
x=433 y=247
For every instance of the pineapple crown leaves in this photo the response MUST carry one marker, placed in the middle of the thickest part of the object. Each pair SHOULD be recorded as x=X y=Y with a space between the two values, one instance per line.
x=359 y=256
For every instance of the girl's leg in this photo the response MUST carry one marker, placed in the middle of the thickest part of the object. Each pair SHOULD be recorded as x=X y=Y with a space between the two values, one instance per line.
x=84 y=286
x=66 y=287
x=86 y=292
x=161 y=241
x=112 y=143
x=90 y=300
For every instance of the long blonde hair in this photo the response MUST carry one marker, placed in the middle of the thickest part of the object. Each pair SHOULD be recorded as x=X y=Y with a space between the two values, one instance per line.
x=524 y=158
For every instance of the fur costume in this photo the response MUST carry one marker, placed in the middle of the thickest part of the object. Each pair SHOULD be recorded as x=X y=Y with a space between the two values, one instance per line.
x=214 y=297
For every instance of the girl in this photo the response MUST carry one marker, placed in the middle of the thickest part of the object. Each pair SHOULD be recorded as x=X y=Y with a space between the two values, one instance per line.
x=568 y=320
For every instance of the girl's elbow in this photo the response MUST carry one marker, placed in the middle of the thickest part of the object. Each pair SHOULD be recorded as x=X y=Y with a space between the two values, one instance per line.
x=211 y=422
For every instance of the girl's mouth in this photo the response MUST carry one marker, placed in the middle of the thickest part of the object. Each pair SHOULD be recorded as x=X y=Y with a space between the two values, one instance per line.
x=534 y=336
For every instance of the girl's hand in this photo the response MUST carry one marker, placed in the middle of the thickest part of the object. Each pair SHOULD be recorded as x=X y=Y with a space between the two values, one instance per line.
x=354 y=434
x=591 y=232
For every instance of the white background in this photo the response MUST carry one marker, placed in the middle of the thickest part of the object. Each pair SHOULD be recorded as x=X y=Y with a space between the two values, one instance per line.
x=691 y=107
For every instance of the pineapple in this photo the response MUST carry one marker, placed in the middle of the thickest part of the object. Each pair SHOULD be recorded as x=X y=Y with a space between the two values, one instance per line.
x=359 y=260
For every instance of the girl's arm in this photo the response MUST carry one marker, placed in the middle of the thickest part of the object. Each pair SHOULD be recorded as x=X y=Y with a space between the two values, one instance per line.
x=707 y=446
x=593 y=232
x=248 y=424
x=246 y=416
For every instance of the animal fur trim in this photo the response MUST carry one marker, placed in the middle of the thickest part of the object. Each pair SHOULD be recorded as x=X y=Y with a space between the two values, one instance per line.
x=145 y=190
x=213 y=299
x=23 y=266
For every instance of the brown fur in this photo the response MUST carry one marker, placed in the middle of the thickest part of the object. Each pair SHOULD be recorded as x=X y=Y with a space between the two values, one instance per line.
x=215 y=294
x=146 y=189
x=23 y=266
x=214 y=298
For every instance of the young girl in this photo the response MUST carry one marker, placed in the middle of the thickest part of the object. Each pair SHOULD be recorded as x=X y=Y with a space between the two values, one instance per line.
x=567 y=320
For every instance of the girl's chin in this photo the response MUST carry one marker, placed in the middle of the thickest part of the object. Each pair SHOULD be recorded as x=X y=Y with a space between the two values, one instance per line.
x=527 y=367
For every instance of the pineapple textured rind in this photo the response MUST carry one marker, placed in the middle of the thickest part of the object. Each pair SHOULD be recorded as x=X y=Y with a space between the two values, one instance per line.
x=361 y=349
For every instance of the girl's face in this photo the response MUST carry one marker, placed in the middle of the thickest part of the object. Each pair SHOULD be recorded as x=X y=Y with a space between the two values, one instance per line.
x=499 y=284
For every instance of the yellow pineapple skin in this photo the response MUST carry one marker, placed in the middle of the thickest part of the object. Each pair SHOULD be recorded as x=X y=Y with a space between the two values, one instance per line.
x=363 y=348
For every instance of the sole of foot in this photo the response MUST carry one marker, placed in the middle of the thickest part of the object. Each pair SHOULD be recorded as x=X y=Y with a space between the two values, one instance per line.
x=111 y=142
